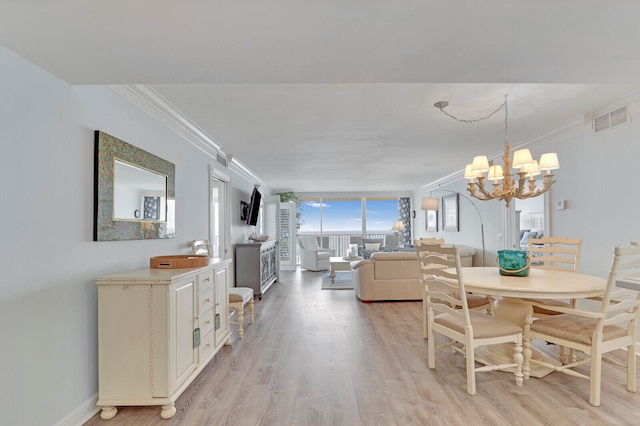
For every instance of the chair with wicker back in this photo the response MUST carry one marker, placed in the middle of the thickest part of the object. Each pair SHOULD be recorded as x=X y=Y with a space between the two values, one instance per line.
x=610 y=328
x=474 y=301
x=441 y=276
x=560 y=254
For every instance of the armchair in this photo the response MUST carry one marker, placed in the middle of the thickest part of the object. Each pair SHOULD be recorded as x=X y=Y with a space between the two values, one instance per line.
x=312 y=256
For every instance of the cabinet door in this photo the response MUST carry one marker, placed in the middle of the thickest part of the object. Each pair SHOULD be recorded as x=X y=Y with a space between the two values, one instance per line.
x=222 y=303
x=183 y=313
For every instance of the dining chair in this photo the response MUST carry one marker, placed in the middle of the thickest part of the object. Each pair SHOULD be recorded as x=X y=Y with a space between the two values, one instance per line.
x=610 y=328
x=476 y=302
x=467 y=329
x=560 y=254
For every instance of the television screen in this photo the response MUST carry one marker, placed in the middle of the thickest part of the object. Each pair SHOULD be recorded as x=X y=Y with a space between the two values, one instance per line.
x=254 y=207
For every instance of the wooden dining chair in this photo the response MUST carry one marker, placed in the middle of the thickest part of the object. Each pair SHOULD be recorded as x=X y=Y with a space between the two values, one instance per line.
x=467 y=329
x=612 y=327
x=476 y=302
x=560 y=254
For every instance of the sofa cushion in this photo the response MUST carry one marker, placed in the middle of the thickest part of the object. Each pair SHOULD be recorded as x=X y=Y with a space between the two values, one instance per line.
x=323 y=255
x=395 y=265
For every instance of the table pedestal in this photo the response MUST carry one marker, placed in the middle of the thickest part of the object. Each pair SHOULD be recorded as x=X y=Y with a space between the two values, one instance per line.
x=515 y=311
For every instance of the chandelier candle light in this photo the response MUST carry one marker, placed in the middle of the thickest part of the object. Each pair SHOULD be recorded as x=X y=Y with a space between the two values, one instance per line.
x=523 y=163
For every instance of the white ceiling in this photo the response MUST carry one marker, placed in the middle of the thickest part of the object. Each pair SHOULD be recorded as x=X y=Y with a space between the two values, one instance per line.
x=338 y=95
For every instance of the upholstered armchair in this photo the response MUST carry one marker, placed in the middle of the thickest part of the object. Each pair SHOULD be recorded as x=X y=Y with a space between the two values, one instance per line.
x=312 y=256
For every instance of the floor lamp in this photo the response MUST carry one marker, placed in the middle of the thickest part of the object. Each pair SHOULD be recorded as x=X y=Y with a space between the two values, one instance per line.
x=430 y=203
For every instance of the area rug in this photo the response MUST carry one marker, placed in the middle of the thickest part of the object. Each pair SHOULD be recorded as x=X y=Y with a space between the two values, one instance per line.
x=343 y=281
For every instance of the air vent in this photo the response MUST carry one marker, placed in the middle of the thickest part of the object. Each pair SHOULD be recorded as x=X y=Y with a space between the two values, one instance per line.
x=611 y=119
x=221 y=160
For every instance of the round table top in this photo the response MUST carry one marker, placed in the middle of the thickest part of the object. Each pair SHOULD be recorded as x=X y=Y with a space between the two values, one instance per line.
x=540 y=283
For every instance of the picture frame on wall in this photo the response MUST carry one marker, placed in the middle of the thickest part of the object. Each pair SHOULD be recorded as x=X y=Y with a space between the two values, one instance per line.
x=450 y=220
x=431 y=219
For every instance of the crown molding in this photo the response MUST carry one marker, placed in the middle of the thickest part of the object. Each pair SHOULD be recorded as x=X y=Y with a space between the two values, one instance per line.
x=155 y=105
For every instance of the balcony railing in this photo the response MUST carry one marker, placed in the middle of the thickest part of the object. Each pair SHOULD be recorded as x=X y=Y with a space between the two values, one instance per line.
x=340 y=241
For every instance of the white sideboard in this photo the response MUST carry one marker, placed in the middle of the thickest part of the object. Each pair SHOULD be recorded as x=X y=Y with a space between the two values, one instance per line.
x=157 y=330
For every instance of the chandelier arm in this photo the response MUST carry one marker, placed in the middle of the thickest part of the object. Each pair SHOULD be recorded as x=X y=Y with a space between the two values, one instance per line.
x=474 y=194
x=548 y=181
x=522 y=179
x=482 y=190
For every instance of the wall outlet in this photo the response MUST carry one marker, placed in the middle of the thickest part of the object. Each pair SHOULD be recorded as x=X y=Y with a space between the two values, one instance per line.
x=561 y=205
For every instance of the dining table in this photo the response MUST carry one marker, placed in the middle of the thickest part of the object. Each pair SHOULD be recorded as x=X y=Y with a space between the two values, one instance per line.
x=512 y=296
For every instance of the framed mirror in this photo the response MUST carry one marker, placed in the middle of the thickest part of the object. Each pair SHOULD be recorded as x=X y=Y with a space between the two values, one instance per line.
x=134 y=194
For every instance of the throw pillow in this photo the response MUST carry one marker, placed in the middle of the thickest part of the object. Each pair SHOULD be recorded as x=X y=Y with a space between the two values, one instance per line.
x=372 y=246
x=526 y=236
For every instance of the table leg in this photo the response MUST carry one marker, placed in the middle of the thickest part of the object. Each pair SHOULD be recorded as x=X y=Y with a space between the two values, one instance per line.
x=514 y=310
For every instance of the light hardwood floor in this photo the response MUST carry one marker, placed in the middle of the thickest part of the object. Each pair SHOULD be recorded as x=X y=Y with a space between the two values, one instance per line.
x=322 y=357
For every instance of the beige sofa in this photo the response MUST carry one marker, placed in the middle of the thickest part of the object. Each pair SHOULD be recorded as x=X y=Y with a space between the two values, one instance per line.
x=393 y=276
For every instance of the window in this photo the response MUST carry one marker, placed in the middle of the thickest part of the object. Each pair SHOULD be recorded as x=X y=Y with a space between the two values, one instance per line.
x=347 y=216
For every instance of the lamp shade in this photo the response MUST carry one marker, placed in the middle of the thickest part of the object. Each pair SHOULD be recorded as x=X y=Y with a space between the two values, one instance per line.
x=531 y=169
x=429 y=203
x=470 y=174
x=522 y=157
x=495 y=173
x=398 y=225
x=480 y=164
x=549 y=161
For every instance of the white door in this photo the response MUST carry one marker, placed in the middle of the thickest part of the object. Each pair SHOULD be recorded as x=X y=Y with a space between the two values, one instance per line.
x=271 y=221
x=219 y=214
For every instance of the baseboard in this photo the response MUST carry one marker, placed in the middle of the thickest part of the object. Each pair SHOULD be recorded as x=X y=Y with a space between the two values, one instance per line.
x=81 y=414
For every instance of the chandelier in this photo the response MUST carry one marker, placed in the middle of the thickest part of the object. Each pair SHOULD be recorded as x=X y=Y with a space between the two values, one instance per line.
x=504 y=186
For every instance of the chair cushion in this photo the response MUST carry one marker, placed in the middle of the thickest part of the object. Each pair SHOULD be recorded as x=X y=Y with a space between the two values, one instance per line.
x=240 y=294
x=323 y=255
x=574 y=328
x=483 y=325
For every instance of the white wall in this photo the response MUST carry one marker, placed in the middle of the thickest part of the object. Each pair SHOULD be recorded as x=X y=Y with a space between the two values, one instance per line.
x=48 y=299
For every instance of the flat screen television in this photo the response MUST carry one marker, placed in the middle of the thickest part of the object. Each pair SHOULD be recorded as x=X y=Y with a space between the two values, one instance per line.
x=254 y=207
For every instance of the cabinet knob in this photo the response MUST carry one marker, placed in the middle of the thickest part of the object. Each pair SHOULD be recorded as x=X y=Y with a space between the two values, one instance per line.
x=207 y=300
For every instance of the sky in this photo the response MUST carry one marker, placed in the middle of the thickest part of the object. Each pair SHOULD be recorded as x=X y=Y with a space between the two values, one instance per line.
x=346 y=216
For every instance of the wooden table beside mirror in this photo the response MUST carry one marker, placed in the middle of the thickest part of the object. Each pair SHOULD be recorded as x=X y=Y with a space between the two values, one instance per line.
x=511 y=293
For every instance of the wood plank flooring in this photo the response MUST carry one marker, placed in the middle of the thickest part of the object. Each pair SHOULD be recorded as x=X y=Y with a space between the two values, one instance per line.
x=322 y=357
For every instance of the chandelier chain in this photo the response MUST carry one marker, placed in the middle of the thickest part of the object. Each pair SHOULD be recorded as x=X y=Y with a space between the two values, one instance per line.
x=486 y=117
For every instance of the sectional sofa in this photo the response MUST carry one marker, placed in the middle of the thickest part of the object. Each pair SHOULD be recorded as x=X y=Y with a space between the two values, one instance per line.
x=393 y=275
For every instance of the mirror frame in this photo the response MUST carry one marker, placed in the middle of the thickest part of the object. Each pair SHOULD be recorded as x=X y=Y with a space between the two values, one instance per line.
x=107 y=149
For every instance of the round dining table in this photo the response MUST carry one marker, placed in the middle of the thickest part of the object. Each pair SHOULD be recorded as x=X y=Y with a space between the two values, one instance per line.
x=510 y=301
